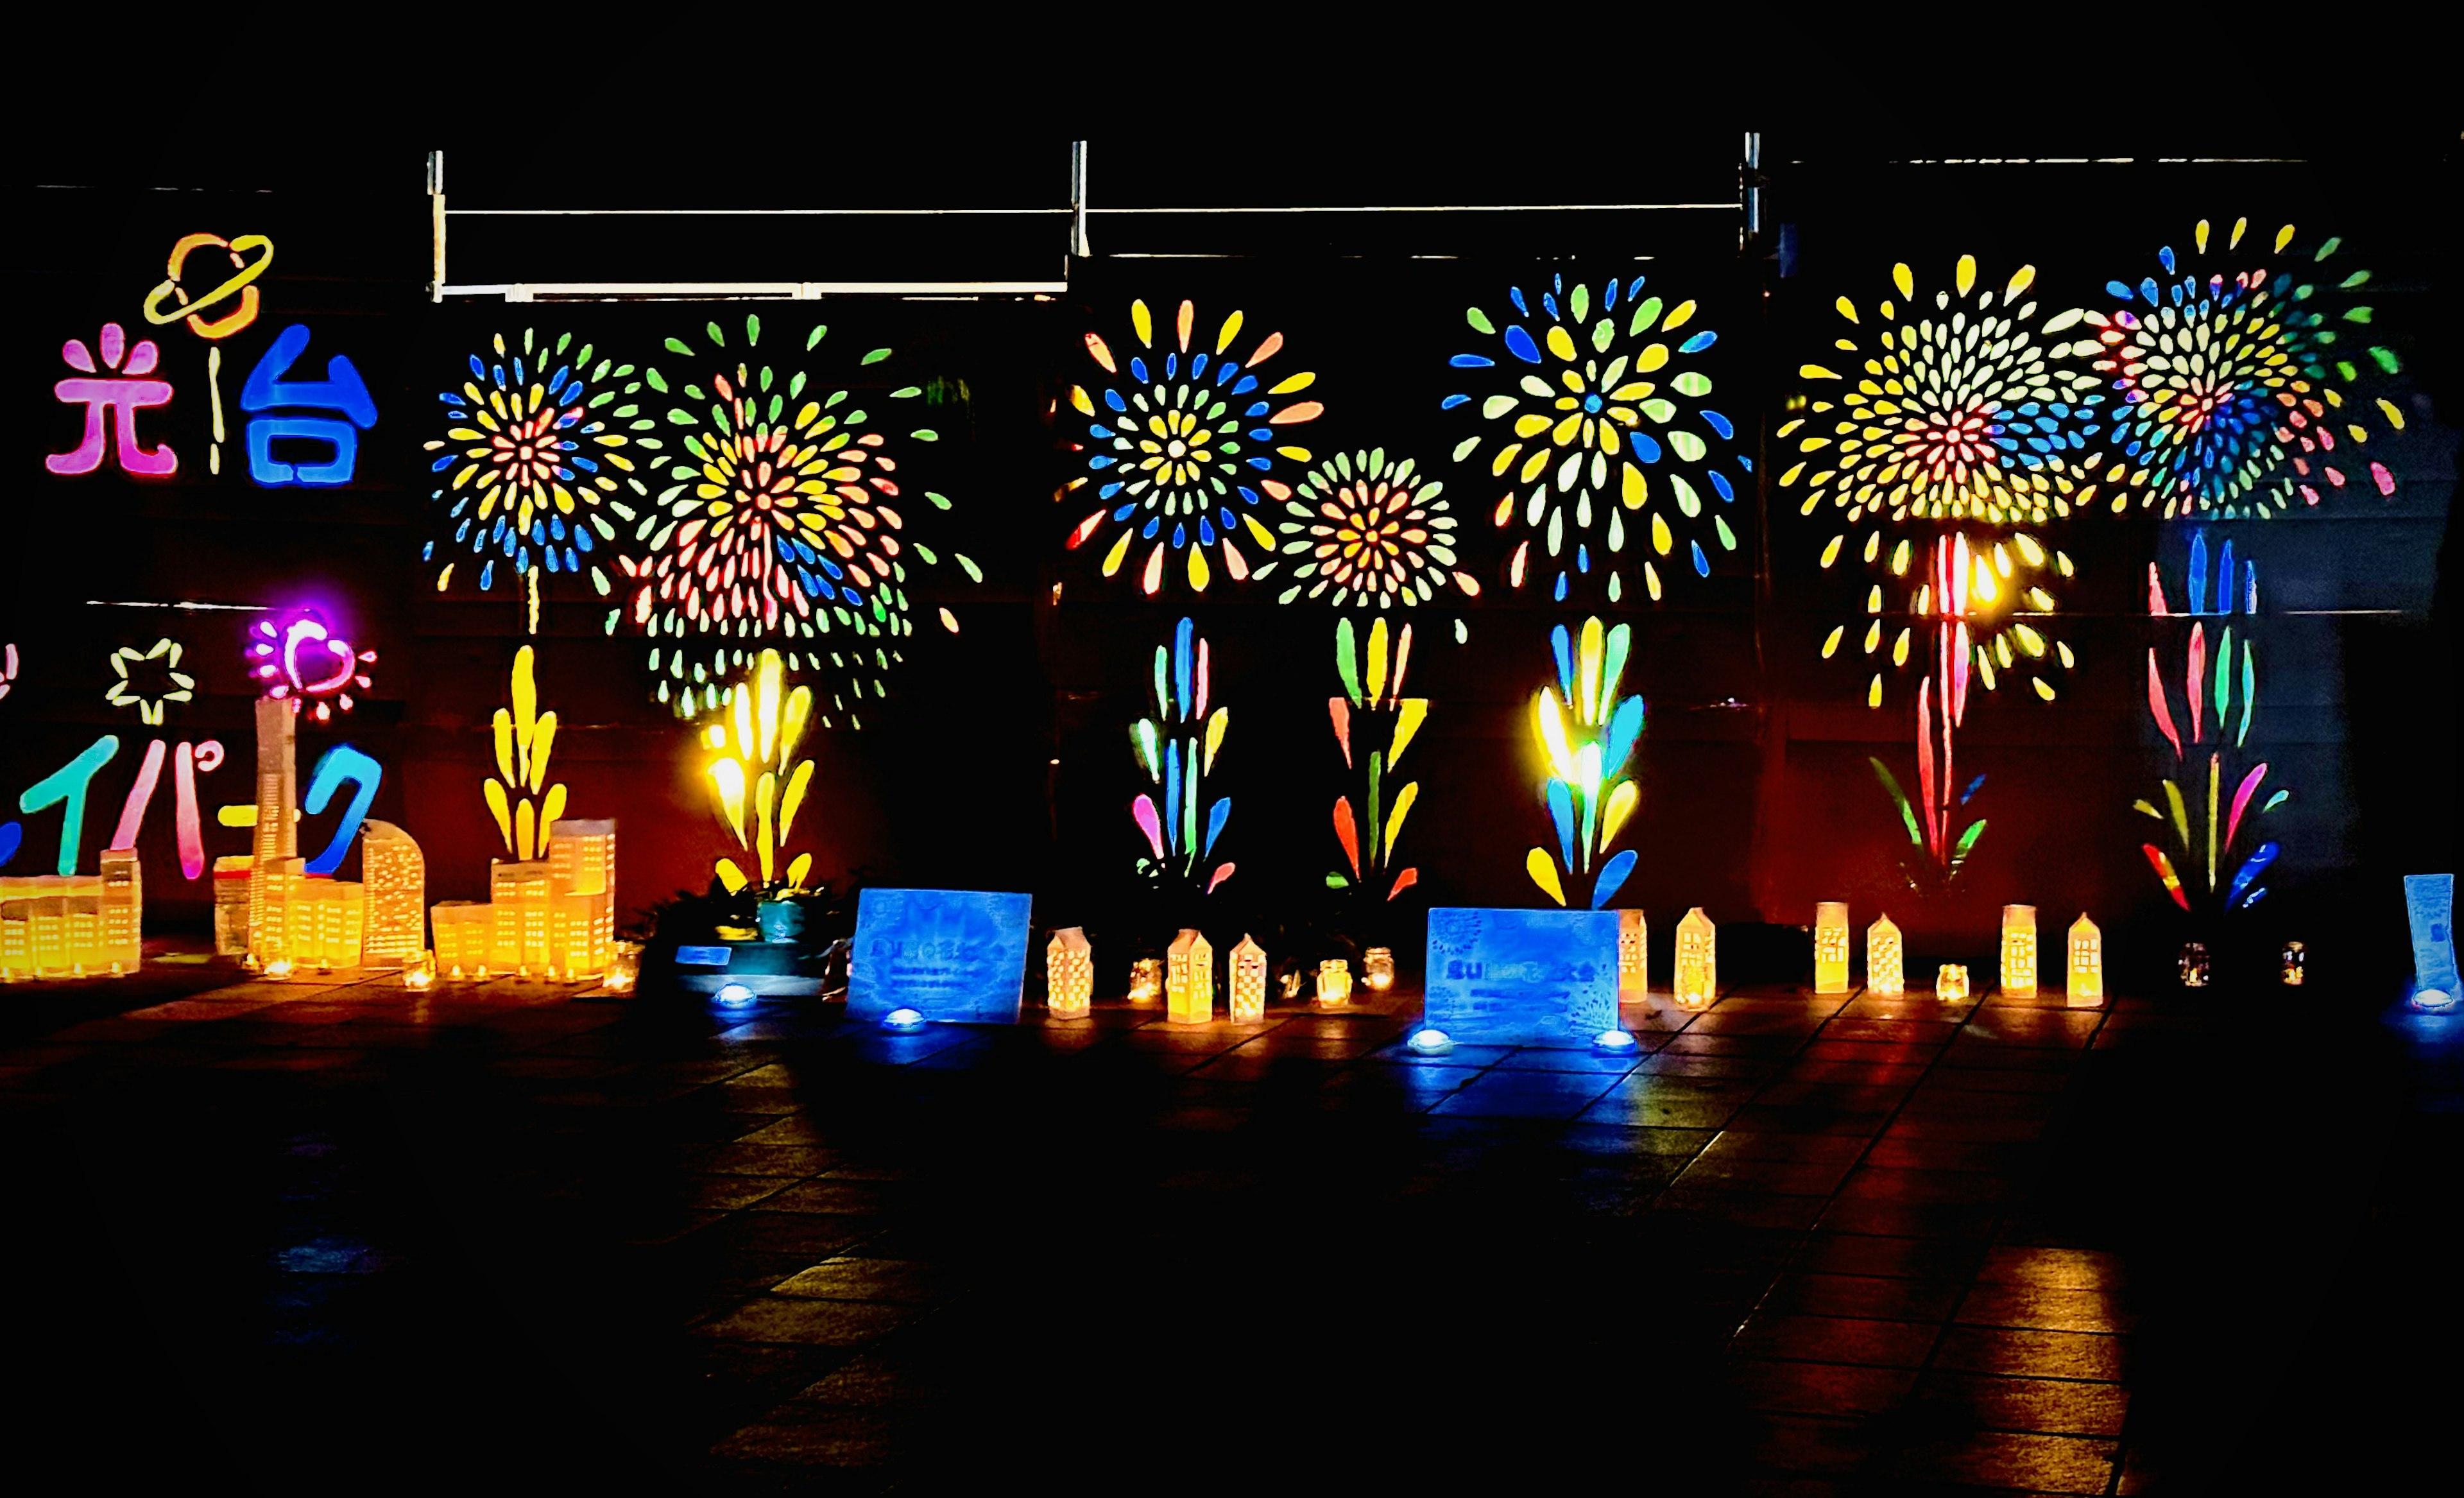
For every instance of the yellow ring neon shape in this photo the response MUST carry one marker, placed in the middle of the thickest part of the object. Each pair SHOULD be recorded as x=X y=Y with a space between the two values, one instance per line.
x=239 y=285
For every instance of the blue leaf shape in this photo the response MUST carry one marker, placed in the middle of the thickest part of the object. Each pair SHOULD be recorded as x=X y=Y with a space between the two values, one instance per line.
x=1181 y=653
x=1561 y=809
x=1973 y=787
x=1563 y=644
x=1519 y=344
x=1612 y=876
x=1172 y=797
x=1624 y=728
x=2251 y=868
x=11 y=834
x=1702 y=564
x=1645 y=447
x=1219 y=814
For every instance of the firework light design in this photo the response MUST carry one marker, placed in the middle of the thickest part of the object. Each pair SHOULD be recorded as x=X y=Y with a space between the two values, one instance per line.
x=2218 y=697
x=1597 y=408
x=1369 y=534
x=1587 y=733
x=1188 y=442
x=784 y=525
x=538 y=464
x=1373 y=724
x=2231 y=384
x=1961 y=435
x=1176 y=748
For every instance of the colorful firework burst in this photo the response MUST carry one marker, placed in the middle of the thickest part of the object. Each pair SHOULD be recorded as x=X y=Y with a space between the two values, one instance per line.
x=536 y=454
x=1966 y=429
x=1595 y=413
x=783 y=526
x=1185 y=448
x=2227 y=383
x=1370 y=533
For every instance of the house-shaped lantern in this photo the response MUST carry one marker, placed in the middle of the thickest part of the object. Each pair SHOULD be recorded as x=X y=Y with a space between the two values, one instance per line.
x=1886 y=972
x=2019 y=951
x=1189 y=978
x=1248 y=977
x=1831 y=947
x=1069 y=974
x=1698 y=960
x=1634 y=954
x=2085 y=967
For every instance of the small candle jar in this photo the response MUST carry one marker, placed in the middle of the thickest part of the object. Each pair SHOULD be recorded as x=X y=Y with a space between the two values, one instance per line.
x=1335 y=981
x=2297 y=958
x=1377 y=968
x=624 y=967
x=2194 y=964
x=420 y=970
x=1146 y=980
x=1950 y=983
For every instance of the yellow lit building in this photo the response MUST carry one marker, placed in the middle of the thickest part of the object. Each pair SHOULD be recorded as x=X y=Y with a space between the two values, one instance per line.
x=73 y=925
x=396 y=876
x=552 y=917
x=463 y=930
x=234 y=881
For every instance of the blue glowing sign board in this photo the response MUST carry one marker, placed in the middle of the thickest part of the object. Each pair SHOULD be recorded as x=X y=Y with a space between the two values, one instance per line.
x=2429 y=905
x=703 y=957
x=956 y=956
x=1522 y=977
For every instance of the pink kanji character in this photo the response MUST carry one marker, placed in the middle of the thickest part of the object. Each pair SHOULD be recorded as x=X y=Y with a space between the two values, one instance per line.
x=121 y=397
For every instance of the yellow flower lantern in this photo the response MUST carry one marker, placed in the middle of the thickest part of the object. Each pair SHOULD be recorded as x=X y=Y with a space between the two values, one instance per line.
x=1698 y=960
x=2019 y=951
x=1885 y=960
x=1069 y=974
x=1248 y=981
x=2085 y=987
x=1189 y=979
x=1831 y=947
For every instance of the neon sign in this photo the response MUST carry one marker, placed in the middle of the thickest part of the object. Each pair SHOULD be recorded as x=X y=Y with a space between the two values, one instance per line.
x=301 y=657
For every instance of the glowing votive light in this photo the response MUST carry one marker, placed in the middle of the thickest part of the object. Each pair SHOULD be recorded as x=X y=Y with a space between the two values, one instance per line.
x=1613 y=1042
x=1069 y=974
x=2297 y=962
x=1430 y=1042
x=1950 y=985
x=1885 y=961
x=1831 y=947
x=2432 y=1000
x=419 y=969
x=1698 y=960
x=1248 y=981
x=624 y=967
x=1146 y=980
x=734 y=994
x=2194 y=966
x=1377 y=969
x=2084 y=987
x=2019 y=951
x=1335 y=981
x=1634 y=954
x=1189 y=978
x=900 y=1018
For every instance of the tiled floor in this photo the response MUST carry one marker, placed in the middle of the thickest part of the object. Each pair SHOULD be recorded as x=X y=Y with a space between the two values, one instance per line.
x=1800 y=1245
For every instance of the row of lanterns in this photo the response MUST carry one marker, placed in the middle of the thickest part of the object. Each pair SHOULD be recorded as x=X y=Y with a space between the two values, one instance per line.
x=1184 y=977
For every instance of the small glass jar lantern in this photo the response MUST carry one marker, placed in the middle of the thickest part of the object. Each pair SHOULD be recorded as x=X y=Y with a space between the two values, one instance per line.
x=1069 y=974
x=2019 y=951
x=1698 y=960
x=1634 y=956
x=419 y=970
x=2194 y=964
x=624 y=967
x=1885 y=961
x=1377 y=969
x=1831 y=947
x=1146 y=980
x=1249 y=970
x=2084 y=987
x=2296 y=958
x=1335 y=981
x=1189 y=978
x=1950 y=985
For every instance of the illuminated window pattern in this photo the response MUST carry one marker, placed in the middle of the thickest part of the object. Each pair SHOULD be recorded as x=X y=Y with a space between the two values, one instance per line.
x=298 y=656
x=1587 y=733
x=540 y=461
x=759 y=784
x=520 y=798
x=785 y=524
x=1182 y=448
x=2232 y=382
x=1595 y=407
x=1373 y=724
x=2218 y=697
x=1368 y=534
x=1176 y=748
x=149 y=680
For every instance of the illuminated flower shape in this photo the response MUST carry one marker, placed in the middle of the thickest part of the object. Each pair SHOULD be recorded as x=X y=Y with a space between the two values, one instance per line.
x=2232 y=386
x=297 y=654
x=1955 y=443
x=147 y=680
x=1596 y=408
x=785 y=523
x=536 y=463
x=756 y=781
x=1183 y=454
x=1365 y=532
x=1587 y=733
